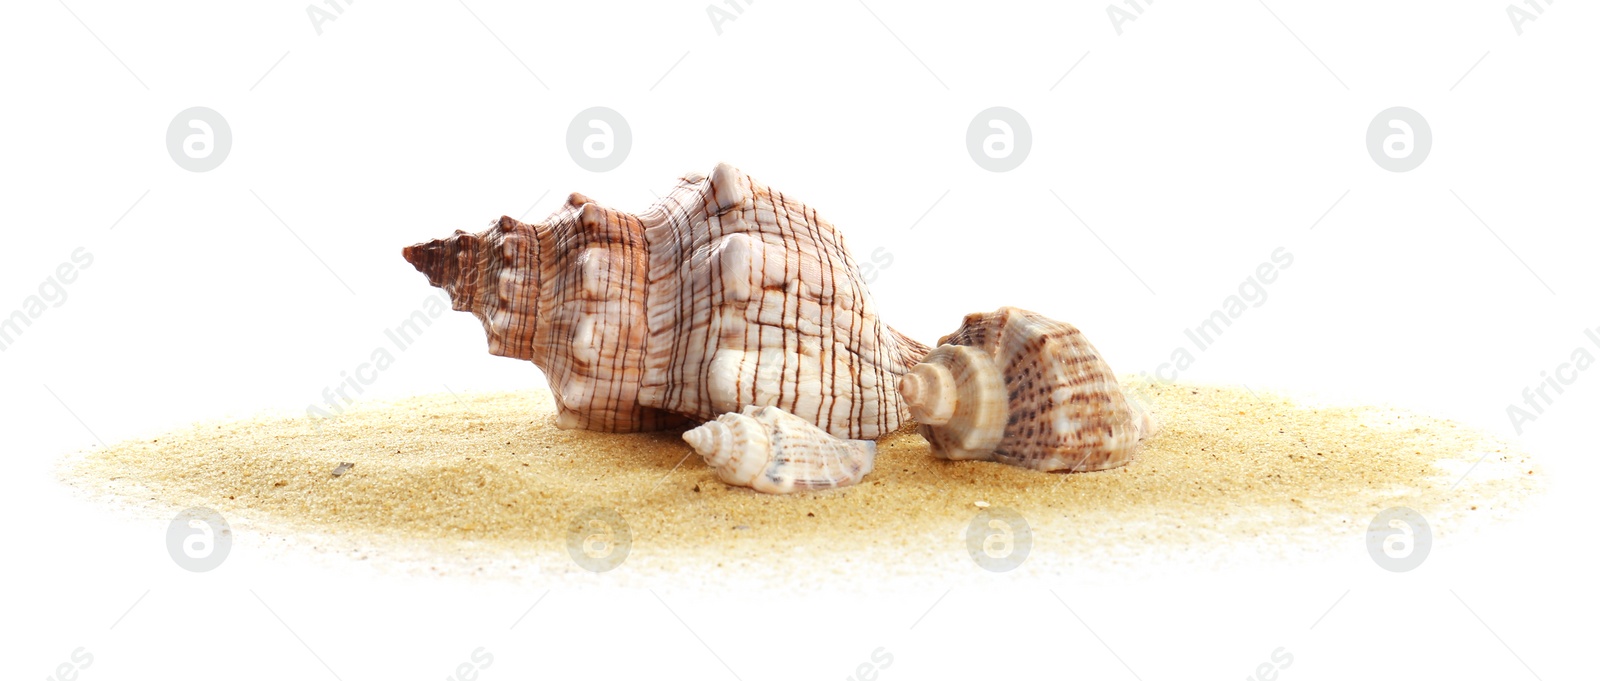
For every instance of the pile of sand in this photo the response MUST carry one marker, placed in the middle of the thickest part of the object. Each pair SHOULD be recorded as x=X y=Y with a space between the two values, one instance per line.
x=486 y=482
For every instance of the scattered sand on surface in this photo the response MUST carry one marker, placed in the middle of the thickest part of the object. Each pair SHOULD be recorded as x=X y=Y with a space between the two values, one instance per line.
x=487 y=484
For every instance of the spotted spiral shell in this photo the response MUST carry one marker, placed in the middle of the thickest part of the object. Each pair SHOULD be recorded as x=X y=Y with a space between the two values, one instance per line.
x=1016 y=387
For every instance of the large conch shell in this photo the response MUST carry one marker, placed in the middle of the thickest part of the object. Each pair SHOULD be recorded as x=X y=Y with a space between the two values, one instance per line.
x=770 y=450
x=1016 y=387
x=725 y=294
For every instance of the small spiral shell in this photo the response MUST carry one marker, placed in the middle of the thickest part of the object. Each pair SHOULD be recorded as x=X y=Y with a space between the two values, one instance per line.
x=1016 y=387
x=770 y=450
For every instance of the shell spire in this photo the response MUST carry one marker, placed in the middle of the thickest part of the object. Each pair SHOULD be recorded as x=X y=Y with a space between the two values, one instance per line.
x=468 y=267
x=567 y=294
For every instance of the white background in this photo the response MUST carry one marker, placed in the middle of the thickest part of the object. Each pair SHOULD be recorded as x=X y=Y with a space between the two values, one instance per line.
x=1194 y=143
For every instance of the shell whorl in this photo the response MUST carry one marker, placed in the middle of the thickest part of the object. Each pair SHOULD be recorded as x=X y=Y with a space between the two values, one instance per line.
x=1016 y=387
x=929 y=390
x=710 y=440
x=770 y=450
x=962 y=393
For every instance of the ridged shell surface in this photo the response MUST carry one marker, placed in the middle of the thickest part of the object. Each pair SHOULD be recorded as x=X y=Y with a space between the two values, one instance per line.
x=567 y=294
x=770 y=450
x=755 y=300
x=1017 y=387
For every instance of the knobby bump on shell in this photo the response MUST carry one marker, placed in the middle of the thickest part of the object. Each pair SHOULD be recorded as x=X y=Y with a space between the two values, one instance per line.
x=773 y=451
x=1017 y=387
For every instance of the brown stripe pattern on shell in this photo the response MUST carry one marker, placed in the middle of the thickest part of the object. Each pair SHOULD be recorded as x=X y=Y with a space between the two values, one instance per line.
x=567 y=294
x=1017 y=387
x=755 y=300
x=726 y=294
